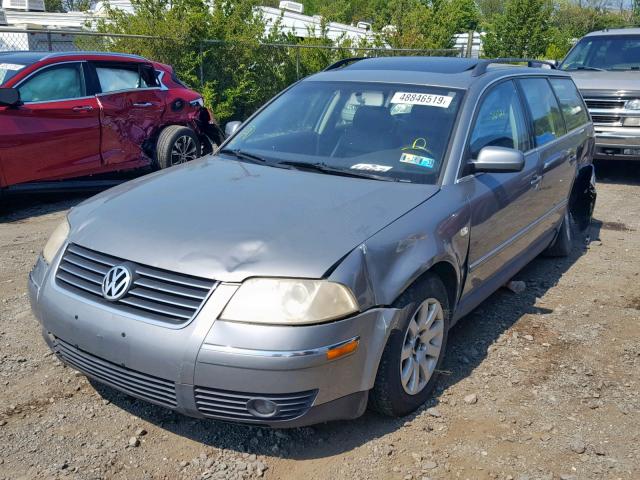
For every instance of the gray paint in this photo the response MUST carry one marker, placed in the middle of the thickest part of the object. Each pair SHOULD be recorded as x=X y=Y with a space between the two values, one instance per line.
x=225 y=220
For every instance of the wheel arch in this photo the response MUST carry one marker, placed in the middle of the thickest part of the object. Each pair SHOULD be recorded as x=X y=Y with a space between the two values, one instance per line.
x=446 y=272
x=582 y=198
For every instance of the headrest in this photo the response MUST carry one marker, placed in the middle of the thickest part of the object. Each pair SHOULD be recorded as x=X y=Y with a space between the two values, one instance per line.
x=372 y=119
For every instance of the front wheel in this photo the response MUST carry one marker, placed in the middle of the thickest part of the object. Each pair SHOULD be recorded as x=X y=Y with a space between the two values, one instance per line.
x=409 y=365
x=177 y=145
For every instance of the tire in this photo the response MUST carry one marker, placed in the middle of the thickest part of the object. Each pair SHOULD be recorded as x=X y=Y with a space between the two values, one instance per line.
x=176 y=145
x=563 y=243
x=390 y=395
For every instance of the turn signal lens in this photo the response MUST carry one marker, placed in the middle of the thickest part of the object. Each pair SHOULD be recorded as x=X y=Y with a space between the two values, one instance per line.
x=343 y=350
x=631 y=122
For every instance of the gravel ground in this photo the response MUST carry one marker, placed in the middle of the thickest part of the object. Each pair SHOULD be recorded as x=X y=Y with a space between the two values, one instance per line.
x=542 y=384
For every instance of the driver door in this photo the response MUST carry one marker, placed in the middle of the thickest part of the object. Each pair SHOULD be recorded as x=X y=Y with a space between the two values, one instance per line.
x=56 y=132
x=501 y=203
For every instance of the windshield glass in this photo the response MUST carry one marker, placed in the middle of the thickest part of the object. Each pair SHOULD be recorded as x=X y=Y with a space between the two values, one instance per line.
x=8 y=70
x=390 y=132
x=621 y=52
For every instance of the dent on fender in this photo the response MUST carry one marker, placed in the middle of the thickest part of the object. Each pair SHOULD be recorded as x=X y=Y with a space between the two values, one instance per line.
x=380 y=269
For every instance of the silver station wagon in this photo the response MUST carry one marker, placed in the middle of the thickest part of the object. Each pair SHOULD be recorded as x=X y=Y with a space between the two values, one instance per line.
x=315 y=264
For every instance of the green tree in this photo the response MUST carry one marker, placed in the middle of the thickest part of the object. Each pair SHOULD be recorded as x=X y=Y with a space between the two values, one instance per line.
x=521 y=31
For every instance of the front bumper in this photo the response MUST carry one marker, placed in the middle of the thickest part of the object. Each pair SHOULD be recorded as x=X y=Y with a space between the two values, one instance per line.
x=617 y=143
x=212 y=368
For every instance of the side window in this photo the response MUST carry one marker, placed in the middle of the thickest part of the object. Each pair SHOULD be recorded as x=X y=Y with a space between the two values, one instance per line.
x=500 y=121
x=547 y=119
x=571 y=104
x=60 y=82
x=113 y=78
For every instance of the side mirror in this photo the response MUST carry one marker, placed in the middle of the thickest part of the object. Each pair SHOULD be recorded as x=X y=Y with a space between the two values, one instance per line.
x=231 y=128
x=498 y=159
x=9 y=97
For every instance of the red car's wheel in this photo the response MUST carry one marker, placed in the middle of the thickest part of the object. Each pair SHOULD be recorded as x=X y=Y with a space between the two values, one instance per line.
x=176 y=145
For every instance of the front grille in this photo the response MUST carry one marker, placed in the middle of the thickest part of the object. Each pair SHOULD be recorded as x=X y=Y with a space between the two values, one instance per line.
x=613 y=120
x=228 y=405
x=155 y=294
x=147 y=387
x=605 y=103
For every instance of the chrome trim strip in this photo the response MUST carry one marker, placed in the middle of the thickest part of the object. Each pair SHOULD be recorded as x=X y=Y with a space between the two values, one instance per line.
x=276 y=353
x=487 y=256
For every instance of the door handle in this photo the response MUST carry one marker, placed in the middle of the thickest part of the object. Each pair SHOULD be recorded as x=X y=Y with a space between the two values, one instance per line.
x=535 y=180
x=84 y=108
x=143 y=104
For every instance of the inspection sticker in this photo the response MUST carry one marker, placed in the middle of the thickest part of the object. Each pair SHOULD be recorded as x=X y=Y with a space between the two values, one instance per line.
x=371 y=167
x=10 y=66
x=427 y=99
x=426 y=162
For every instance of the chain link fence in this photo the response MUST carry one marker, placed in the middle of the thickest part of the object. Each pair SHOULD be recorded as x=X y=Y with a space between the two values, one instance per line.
x=235 y=78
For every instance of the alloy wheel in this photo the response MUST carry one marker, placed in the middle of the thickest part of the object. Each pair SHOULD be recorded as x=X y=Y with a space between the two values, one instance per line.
x=184 y=150
x=421 y=347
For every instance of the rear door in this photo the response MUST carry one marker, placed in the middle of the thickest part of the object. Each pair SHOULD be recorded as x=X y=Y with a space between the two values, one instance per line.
x=557 y=151
x=56 y=132
x=132 y=105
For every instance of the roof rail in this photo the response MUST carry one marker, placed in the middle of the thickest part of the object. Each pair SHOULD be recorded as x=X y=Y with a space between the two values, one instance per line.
x=619 y=27
x=482 y=65
x=343 y=62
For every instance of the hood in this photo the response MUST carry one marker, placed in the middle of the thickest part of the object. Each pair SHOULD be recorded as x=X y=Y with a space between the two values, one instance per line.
x=227 y=220
x=606 y=82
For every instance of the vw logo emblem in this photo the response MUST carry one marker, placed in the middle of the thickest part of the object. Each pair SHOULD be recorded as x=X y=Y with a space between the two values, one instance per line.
x=116 y=283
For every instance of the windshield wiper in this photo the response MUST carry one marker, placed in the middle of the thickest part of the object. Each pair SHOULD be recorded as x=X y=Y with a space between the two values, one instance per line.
x=242 y=155
x=584 y=67
x=322 y=168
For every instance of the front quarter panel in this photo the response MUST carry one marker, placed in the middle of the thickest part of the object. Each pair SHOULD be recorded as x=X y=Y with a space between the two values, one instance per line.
x=379 y=270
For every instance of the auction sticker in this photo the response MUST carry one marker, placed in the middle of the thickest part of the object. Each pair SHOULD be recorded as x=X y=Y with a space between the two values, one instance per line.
x=419 y=160
x=10 y=66
x=371 y=167
x=427 y=99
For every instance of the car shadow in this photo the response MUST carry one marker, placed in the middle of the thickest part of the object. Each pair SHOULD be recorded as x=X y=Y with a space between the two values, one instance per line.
x=17 y=208
x=468 y=346
x=623 y=172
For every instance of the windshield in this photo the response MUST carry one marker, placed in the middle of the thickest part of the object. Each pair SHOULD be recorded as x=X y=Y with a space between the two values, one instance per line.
x=8 y=70
x=620 y=52
x=384 y=131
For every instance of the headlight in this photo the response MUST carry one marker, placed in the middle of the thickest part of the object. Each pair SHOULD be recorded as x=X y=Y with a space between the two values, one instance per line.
x=632 y=104
x=289 y=301
x=56 y=240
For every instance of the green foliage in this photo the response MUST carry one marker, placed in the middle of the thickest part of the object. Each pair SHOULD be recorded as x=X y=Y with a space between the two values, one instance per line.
x=239 y=71
x=521 y=31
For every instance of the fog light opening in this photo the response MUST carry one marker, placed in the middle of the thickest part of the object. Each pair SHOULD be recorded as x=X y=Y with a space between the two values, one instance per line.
x=262 y=407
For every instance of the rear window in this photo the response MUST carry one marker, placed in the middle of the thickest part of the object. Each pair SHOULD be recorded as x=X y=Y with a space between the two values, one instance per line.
x=548 y=123
x=573 y=108
x=9 y=70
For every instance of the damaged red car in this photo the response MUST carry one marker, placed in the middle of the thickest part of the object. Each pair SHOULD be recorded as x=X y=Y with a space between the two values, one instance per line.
x=74 y=115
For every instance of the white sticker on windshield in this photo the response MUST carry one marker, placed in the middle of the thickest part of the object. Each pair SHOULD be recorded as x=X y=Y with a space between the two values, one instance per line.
x=10 y=66
x=371 y=167
x=427 y=99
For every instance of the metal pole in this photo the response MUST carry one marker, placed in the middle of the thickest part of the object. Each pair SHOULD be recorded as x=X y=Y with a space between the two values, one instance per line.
x=470 y=43
x=49 y=41
x=297 y=64
x=201 y=64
